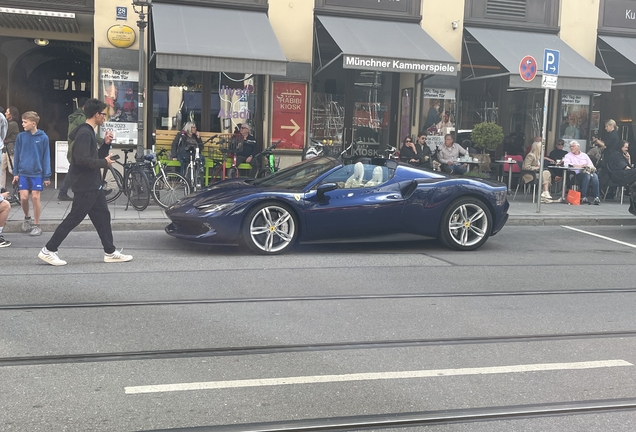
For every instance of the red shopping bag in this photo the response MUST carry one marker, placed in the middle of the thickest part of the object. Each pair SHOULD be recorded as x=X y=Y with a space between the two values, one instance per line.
x=574 y=197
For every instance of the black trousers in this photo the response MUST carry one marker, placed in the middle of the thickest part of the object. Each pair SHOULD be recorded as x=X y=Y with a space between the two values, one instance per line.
x=255 y=163
x=92 y=203
x=66 y=183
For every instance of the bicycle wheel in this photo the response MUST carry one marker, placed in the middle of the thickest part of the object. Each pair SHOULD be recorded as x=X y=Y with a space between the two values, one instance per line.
x=114 y=182
x=170 y=189
x=138 y=189
x=232 y=172
x=216 y=173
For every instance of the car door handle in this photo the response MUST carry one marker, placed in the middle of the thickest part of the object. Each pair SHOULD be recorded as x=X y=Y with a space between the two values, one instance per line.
x=395 y=197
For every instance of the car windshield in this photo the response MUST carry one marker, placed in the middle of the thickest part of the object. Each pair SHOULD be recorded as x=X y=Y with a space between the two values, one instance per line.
x=298 y=176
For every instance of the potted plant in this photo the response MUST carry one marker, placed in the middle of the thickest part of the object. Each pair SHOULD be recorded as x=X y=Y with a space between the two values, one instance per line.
x=486 y=136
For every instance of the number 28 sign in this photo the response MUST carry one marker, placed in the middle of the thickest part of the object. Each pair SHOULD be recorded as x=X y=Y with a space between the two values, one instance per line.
x=288 y=114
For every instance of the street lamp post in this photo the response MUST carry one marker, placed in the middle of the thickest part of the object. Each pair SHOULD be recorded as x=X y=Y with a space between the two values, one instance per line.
x=141 y=96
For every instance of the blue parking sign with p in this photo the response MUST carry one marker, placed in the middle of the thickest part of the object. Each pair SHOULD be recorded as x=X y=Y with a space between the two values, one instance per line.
x=550 y=62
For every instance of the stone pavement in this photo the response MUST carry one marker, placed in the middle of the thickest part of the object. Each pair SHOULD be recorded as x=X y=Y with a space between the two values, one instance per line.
x=522 y=212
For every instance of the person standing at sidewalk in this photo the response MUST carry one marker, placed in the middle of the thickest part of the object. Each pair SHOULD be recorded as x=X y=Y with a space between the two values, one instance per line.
x=77 y=118
x=31 y=169
x=89 y=199
x=6 y=167
x=3 y=133
x=5 y=208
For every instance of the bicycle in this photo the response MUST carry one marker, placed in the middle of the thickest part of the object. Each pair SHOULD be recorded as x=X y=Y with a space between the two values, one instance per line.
x=133 y=183
x=220 y=171
x=270 y=162
x=168 y=187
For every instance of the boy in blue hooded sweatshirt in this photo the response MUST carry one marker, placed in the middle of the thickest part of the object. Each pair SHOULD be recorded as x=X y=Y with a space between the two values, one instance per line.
x=31 y=169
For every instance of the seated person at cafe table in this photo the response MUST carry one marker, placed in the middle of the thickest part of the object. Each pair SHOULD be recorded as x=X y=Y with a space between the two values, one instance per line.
x=413 y=153
x=449 y=154
x=555 y=157
x=585 y=172
x=531 y=163
x=620 y=165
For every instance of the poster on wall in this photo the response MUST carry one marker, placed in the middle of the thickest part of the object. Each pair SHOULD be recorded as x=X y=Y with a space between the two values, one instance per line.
x=575 y=120
x=289 y=112
x=119 y=92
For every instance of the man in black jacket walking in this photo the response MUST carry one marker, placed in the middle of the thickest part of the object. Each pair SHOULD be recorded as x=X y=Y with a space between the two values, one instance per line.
x=89 y=198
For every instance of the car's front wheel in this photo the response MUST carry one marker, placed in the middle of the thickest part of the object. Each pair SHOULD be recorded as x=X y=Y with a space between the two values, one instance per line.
x=270 y=228
x=466 y=224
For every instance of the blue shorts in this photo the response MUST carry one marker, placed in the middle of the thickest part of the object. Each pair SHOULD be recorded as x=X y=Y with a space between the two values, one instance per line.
x=30 y=183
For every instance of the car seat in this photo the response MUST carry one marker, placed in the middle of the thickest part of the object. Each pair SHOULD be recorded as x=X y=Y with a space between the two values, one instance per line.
x=376 y=178
x=355 y=180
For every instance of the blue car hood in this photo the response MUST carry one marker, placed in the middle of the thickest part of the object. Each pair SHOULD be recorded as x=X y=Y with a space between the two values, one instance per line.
x=224 y=192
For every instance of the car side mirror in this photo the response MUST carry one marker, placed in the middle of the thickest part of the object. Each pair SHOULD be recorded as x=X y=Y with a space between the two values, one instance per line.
x=324 y=188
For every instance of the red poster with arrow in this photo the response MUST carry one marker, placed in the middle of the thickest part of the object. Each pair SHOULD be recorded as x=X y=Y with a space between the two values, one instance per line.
x=288 y=114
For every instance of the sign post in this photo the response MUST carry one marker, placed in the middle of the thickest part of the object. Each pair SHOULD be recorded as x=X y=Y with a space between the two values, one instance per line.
x=288 y=114
x=549 y=81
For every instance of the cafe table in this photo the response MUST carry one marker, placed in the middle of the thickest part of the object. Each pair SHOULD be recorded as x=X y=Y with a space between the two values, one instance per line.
x=565 y=169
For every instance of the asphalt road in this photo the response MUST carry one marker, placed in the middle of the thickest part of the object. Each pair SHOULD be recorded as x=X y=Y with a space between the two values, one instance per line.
x=535 y=331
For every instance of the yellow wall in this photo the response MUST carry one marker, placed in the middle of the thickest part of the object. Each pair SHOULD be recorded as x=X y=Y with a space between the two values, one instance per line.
x=105 y=17
x=293 y=23
x=578 y=20
x=437 y=18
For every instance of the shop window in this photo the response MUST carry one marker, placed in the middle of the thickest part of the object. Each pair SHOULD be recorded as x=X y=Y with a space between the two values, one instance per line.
x=437 y=114
x=180 y=96
x=575 y=121
x=372 y=110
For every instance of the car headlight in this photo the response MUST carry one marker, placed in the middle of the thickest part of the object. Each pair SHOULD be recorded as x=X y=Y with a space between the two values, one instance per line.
x=213 y=208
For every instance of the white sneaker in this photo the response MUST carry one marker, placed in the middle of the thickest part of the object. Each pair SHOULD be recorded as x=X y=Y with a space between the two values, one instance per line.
x=117 y=256
x=546 y=194
x=50 y=258
x=36 y=231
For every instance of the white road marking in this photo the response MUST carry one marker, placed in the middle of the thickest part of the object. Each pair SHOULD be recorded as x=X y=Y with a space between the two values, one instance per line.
x=601 y=236
x=211 y=385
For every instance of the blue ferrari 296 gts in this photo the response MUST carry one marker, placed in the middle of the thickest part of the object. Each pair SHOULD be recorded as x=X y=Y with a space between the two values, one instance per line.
x=322 y=199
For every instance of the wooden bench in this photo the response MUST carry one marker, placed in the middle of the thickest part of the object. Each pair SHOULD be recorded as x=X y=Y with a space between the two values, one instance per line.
x=211 y=151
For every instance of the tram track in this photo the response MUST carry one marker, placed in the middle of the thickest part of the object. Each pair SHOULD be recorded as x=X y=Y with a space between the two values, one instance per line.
x=182 y=302
x=427 y=418
x=296 y=348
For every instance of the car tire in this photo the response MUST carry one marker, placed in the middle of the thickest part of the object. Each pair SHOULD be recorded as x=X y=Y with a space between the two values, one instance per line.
x=270 y=228
x=466 y=224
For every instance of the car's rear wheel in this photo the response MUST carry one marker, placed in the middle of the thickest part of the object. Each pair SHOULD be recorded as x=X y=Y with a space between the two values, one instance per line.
x=270 y=228
x=465 y=224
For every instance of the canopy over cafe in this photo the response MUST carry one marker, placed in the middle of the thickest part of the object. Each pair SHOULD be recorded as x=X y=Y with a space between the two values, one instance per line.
x=373 y=64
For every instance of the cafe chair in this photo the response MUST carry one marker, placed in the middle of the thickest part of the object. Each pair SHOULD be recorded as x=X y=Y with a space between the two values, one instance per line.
x=534 y=182
x=516 y=168
x=620 y=188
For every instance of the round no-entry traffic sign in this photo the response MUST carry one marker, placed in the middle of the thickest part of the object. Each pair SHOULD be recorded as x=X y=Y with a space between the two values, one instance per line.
x=528 y=68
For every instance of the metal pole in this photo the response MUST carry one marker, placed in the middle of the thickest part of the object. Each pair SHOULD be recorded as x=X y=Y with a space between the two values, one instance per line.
x=544 y=138
x=141 y=92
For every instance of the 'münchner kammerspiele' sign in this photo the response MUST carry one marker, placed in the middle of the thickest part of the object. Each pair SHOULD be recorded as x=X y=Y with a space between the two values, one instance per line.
x=398 y=65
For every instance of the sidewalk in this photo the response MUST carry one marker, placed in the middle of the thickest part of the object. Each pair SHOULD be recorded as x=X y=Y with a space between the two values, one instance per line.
x=522 y=212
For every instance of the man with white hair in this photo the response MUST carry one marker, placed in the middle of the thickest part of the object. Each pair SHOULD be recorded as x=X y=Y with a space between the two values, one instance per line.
x=585 y=173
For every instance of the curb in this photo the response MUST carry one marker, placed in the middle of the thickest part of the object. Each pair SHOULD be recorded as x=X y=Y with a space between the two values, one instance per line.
x=570 y=220
x=125 y=225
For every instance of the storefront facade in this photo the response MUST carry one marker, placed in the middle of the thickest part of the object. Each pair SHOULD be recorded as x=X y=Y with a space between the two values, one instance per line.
x=372 y=65
x=46 y=58
x=328 y=70
x=497 y=36
x=616 y=54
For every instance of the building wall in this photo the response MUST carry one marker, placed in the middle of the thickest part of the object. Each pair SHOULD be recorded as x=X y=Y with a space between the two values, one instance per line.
x=293 y=24
x=437 y=19
x=578 y=20
x=105 y=17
